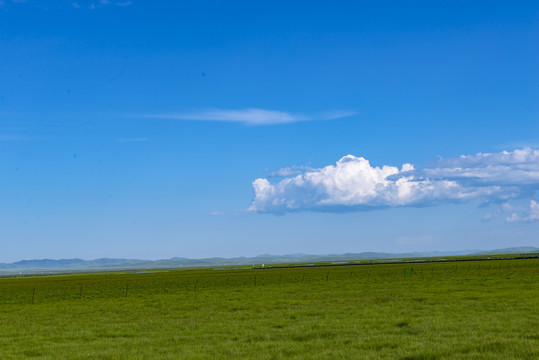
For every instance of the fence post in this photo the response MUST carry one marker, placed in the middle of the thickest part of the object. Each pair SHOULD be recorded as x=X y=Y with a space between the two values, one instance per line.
x=126 y=289
x=33 y=294
x=80 y=292
x=196 y=283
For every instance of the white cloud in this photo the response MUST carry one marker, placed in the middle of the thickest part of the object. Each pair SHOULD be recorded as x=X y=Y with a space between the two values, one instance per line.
x=250 y=116
x=216 y=213
x=507 y=207
x=533 y=213
x=513 y=218
x=516 y=213
x=353 y=184
x=518 y=167
x=337 y=114
x=491 y=215
x=289 y=171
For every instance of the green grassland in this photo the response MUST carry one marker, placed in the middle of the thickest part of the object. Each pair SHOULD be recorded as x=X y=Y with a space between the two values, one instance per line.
x=464 y=310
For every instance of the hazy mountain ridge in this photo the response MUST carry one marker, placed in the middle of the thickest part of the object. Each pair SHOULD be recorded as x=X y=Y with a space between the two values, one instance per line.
x=513 y=250
x=177 y=262
x=66 y=263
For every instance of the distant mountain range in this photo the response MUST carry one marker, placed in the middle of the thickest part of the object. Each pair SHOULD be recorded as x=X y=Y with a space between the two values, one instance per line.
x=177 y=262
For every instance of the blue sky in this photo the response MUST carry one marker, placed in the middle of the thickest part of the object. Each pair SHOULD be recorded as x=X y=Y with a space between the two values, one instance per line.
x=146 y=129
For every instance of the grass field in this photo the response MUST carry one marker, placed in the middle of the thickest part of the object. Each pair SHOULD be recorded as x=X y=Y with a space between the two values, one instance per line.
x=465 y=310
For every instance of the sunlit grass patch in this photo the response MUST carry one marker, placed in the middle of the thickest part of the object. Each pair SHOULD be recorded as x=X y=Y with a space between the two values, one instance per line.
x=364 y=312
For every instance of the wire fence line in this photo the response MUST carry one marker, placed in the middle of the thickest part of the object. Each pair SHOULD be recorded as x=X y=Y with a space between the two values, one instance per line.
x=41 y=290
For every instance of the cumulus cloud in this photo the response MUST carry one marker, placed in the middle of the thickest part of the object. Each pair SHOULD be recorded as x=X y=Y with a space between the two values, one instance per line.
x=250 y=116
x=353 y=184
x=533 y=212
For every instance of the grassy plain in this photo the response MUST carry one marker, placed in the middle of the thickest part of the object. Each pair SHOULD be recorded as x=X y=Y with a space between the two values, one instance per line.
x=465 y=310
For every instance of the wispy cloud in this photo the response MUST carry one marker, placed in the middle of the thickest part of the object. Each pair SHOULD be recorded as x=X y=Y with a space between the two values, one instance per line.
x=216 y=213
x=249 y=116
x=290 y=171
x=336 y=114
x=533 y=212
x=528 y=213
x=353 y=184
x=519 y=167
x=512 y=213
x=97 y=4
